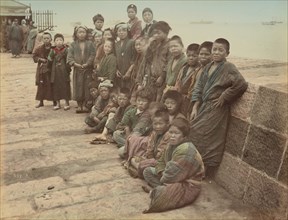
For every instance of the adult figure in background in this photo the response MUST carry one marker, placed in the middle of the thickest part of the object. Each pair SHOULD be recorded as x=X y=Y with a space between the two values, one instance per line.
x=134 y=24
x=8 y=29
x=25 y=29
x=2 y=35
x=16 y=36
x=147 y=16
x=31 y=37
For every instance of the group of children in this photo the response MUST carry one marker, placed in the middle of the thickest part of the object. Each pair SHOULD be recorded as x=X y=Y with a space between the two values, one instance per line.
x=167 y=111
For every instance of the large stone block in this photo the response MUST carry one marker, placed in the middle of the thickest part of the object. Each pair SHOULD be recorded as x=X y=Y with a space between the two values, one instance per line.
x=271 y=109
x=237 y=132
x=283 y=174
x=232 y=175
x=267 y=195
x=264 y=149
x=242 y=107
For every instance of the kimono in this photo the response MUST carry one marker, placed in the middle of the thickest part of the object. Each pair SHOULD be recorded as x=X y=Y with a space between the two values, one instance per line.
x=186 y=79
x=209 y=128
x=60 y=73
x=99 y=55
x=125 y=56
x=135 y=80
x=154 y=66
x=107 y=67
x=147 y=30
x=16 y=38
x=135 y=27
x=172 y=73
x=26 y=31
x=81 y=77
x=43 y=81
x=178 y=174
x=113 y=122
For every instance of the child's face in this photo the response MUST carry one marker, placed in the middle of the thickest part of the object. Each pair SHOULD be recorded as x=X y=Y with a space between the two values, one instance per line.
x=147 y=17
x=176 y=136
x=122 y=33
x=160 y=126
x=131 y=13
x=97 y=39
x=94 y=92
x=139 y=45
x=81 y=34
x=46 y=39
x=99 y=24
x=219 y=52
x=107 y=47
x=104 y=92
x=192 y=57
x=159 y=35
x=59 y=42
x=123 y=100
x=106 y=35
x=142 y=103
x=171 y=105
x=175 y=48
x=204 y=56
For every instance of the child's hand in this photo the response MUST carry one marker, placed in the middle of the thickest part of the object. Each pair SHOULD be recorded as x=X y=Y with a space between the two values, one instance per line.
x=218 y=103
x=42 y=60
x=118 y=74
x=127 y=131
x=84 y=66
x=77 y=65
x=159 y=81
x=96 y=119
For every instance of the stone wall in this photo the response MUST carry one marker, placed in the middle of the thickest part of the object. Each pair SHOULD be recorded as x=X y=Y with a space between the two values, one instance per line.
x=255 y=163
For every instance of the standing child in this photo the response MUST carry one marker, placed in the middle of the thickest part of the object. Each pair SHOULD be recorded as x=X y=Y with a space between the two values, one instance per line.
x=60 y=73
x=124 y=54
x=108 y=65
x=187 y=72
x=155 y=60
x=220 y=85
x=134 y=24
x=43 y=82
x=81 y=54
x=147 y=16
x=98 y=21
x=176 y=61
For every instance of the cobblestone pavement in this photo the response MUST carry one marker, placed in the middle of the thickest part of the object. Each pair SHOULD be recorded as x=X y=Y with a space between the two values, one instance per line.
x=50 y=171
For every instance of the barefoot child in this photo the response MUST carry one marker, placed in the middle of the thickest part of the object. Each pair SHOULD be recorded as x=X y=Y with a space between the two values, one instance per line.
x=60 y=74
x=43 y=82
x=81 y=54
x=219 y=85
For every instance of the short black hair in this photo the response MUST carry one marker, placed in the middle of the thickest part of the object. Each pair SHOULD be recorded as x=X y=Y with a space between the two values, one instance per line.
x=182 y=124
x=162 y=113
x=48 y=34
x=175 y=95
x=58 y=35
x=98 y=17
x=224 y=42
x=193 y=47
x=206 y=44
x=145 y=93
x=178 y=39
x=125 y=91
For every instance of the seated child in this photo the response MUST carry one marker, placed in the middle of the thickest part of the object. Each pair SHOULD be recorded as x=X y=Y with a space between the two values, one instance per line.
x=105 y=103
x=173 y=101
x=187 y=72
x=156 y=143
x=114 y=118
x=136 y=120
x=218 y=87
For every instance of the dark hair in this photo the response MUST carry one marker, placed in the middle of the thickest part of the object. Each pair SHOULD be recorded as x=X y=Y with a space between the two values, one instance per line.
x=133 y=7
x=175 y=95
x=206 y=44
x=145 y=94
x=48 y=34
x=75 y=32
x=126 y=92
x=113 y=44
x=98 y=17
x=147 y=10
x=193 y=47
x=182 y=124
x=111 y=31
x=161 y=25
x=178 y=39
x=58 y=35
x=225 y=43
x=161 y=113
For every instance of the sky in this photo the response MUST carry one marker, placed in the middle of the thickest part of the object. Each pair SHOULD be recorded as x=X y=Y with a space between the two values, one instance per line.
x=234 y=11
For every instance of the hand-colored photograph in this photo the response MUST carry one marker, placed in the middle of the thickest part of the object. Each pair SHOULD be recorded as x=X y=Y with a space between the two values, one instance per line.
x=144 y=109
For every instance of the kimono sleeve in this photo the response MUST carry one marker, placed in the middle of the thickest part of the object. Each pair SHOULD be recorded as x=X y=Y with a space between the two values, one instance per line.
x=112 y=67
x=92 y=54
x=160 y=166
x=70 y=55
x=37 y=54
x=238 y=85
x=125 y=121
x=198 y=89
x=144 y=124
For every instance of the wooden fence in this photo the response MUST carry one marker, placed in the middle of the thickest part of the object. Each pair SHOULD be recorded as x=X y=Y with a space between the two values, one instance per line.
x=44 y=19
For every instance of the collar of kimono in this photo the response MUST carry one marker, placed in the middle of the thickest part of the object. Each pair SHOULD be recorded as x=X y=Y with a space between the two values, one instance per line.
x=58 y=50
